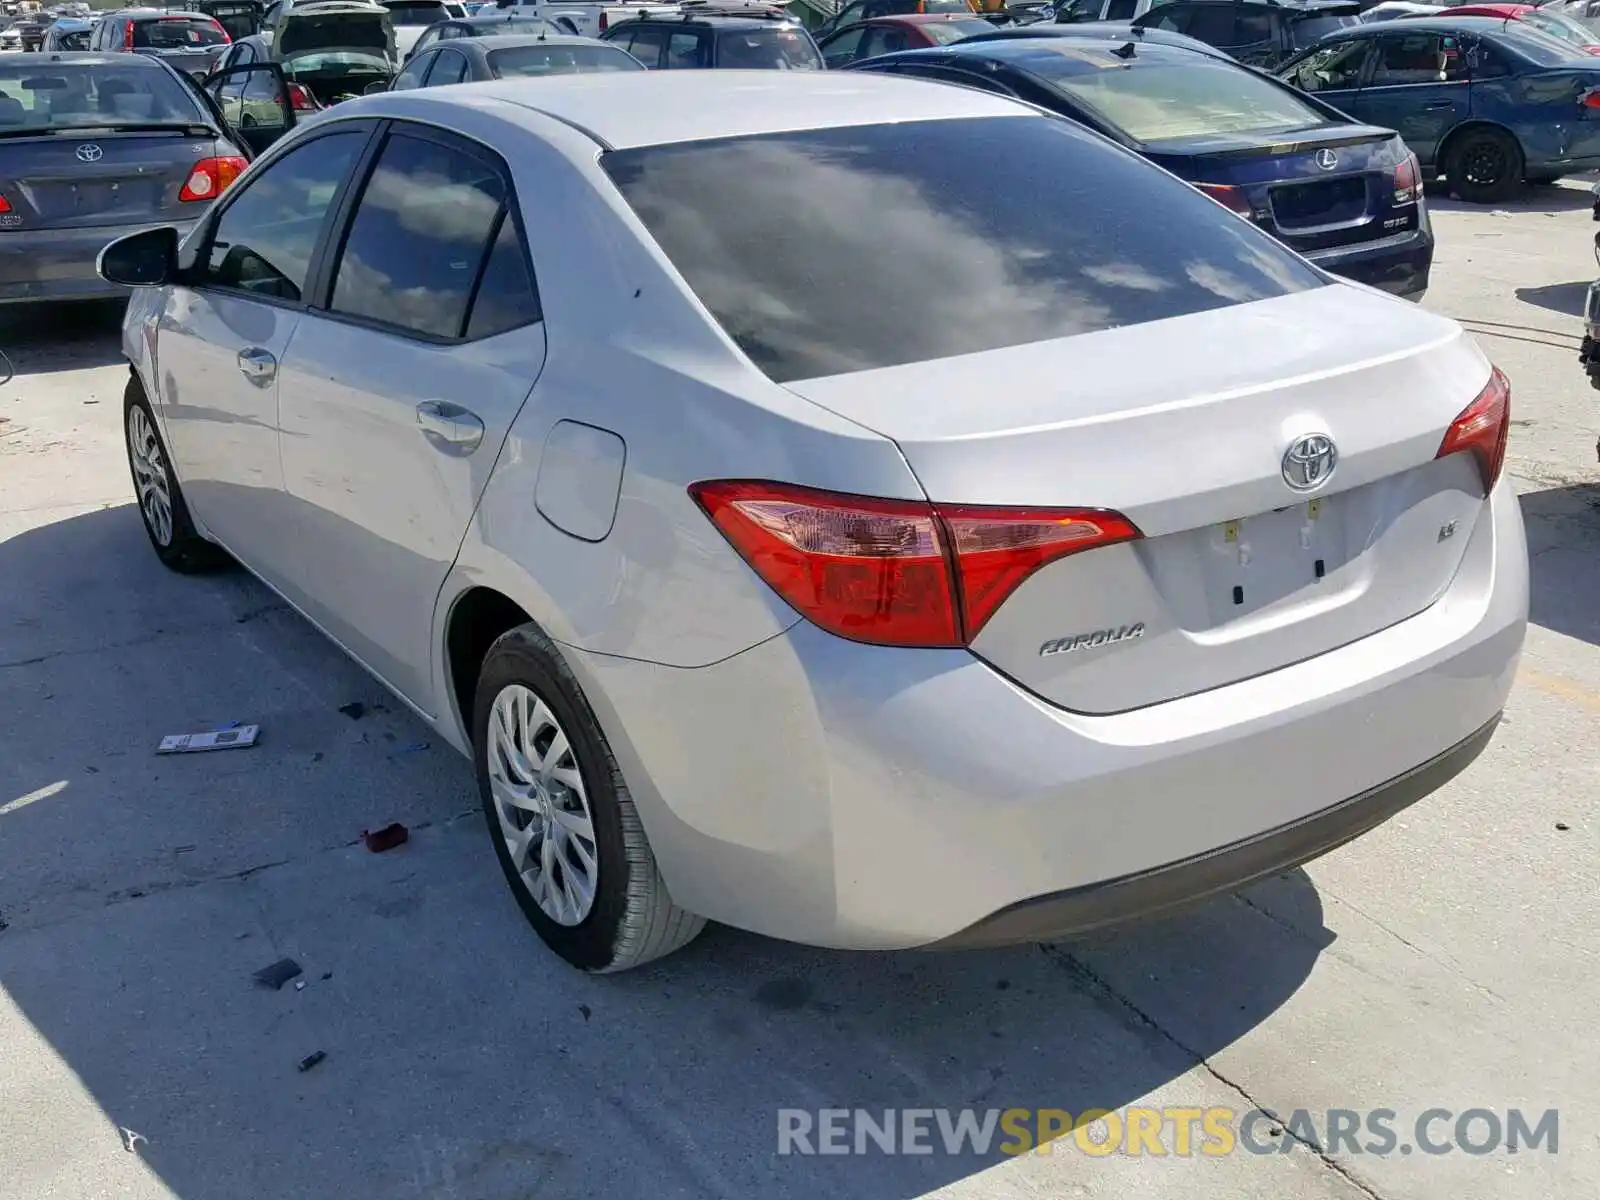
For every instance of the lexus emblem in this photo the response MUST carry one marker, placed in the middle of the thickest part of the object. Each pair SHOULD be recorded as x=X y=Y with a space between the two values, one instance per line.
x=1327 y=159
x=1309 y=462
x=89 y=152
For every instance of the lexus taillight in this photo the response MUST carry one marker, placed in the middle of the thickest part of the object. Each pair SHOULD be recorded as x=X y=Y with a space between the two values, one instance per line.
x=896 y=572
x=1482 y=429
x=1228 y=195
x=210 y=177
x=1408 y=181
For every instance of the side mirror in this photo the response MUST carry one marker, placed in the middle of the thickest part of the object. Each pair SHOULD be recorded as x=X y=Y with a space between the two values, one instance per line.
x=376 y=86
x=145 y=259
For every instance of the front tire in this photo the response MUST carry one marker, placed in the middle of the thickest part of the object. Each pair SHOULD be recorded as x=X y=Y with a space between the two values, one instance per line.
x=161 y=504
x=564 y=827
x=1485 y=166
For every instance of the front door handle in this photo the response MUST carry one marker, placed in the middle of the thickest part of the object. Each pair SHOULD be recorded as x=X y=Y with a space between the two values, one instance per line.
x=258 y=365
x=449 y=427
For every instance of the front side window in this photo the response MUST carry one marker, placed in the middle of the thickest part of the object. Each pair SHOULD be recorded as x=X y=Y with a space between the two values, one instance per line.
x=1194 y=95
x=448 y=67
x=844 y=47
x=265 y=237
x=1333 y=68
x=411 y=77
x=883 y=39
x=965 y=235
x=419 y=236
x=1418 y=58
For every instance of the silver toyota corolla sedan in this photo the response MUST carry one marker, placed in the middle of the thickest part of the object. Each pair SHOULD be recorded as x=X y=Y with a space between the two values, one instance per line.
x=855 y=509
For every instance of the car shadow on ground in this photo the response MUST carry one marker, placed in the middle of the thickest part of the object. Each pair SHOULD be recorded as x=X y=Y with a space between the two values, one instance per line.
x=1564 y=196
x=1564 y=558
x=462 y=1058
x=41 y=338
x=1563 y=298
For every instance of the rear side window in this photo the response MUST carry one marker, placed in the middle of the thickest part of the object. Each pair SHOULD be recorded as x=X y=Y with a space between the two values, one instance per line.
x=419 y=237
x=964 y=235
x=1418 y=58
x=506 y=295
x=177 y=33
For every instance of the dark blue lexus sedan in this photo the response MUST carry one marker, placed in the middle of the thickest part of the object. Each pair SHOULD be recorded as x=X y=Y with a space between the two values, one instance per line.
x=1345 y=195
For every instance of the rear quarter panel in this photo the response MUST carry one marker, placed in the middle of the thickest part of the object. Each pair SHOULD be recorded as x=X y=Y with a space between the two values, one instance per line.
x=1543 y=110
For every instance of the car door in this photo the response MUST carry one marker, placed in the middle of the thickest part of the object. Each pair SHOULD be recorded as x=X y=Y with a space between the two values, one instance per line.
x=1416 y=84
x=223 y=331
x=398 y=390
x=1332 y=72
x=254 y=100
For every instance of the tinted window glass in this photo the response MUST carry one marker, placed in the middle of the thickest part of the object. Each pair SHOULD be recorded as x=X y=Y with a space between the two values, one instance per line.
x=418 y=237
x=448 y=67
x=559 y=60
x=506 y=296
x=1418 y=58
x=1121 y=10
x=1332 y=68
x=884 y=39
x=688 y=50
x=647 y=46
x=416 y=12
x=964 y=235
x=264 y=239
x=1311 y=30
x=1533 y=45
x=1486 y=62
x=1212 y=24
x=65 y=95
x=178 y=33
x=1171 y=95
x=1251 y=27
x=411 y=77
x=763 y=49
x=843 y=48
x=1176 y=18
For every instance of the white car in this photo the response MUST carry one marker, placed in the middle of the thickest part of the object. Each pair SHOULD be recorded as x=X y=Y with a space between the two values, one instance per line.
x=857 y=509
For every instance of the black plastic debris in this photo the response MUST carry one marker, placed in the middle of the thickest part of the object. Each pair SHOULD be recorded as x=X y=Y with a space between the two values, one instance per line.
x=387 y=838
x=278 y=974
x=312 y=1059
x=355 y=710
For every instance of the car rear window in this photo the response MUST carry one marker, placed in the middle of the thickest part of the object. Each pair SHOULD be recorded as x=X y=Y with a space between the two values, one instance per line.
x=177 y=33
x=828 y=251
x=416 y=12
x=560 y=59
x=63 y=95
x=1308 y=31
x=1173 y=95
x=766 y=49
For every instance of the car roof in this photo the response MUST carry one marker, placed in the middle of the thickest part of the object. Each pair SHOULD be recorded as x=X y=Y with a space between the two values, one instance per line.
x=625 y=109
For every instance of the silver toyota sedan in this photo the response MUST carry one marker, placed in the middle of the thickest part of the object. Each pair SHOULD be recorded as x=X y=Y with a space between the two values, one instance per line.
x=855 y=509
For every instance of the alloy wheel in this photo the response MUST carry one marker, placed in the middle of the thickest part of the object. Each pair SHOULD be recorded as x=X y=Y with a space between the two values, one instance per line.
x=150 y=475
x=542 y=805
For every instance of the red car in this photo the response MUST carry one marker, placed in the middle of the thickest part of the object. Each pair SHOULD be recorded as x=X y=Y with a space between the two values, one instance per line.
x=885 y=35
x=1557 y=25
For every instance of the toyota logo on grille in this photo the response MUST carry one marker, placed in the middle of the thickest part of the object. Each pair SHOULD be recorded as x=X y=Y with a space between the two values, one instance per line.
x=89 y=152
x=1309 y=461
x=1327 y=159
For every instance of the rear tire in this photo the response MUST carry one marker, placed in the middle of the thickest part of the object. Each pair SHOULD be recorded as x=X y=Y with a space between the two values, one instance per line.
x=1484 y=166
x=564 y=827
x=155 y=489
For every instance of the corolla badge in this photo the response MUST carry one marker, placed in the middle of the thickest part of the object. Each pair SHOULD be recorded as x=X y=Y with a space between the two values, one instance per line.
x=1327 y=159
x=89 y=152
x=1309 y=462
x=1092 y=640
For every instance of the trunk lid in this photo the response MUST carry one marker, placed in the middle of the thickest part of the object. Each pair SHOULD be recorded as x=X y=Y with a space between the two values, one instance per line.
x=82 y=178
x=334 y=31
x=1312 y=189
x=1237 y=574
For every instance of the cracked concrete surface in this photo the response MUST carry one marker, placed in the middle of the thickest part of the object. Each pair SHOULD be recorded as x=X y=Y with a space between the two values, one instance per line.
x=1447 y=960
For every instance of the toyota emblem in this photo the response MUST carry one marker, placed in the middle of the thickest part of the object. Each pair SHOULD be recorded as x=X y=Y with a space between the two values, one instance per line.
x=89 y=152
x=1327 y=159
x=1309 y=462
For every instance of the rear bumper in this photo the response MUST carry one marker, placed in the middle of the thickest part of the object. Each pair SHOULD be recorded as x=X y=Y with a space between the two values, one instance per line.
x=59 y=264
x=1399 y=265
x=866 y=797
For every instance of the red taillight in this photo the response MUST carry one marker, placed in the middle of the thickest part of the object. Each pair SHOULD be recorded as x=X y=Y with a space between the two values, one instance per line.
x=210 y=177
x=895 y=572
x=604 y=23
x=5 y=205
x=127 y=36
x=1590 y=99
x=301 y=99
x=1482 y=428
x=227 y=39
x=1408 y=181
x=1228 y=195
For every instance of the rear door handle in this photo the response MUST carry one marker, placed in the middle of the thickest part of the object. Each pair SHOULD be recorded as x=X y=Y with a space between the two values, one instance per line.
x=449 y=427
x=257 y=365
